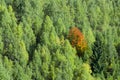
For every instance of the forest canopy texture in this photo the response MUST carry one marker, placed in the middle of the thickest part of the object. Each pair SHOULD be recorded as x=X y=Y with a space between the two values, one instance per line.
x=59 y=39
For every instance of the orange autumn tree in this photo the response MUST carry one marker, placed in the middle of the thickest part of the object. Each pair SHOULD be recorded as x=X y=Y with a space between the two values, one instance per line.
x=77 y=40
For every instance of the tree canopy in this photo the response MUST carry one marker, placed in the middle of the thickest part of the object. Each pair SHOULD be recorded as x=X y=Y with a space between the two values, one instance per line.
x=39 y=39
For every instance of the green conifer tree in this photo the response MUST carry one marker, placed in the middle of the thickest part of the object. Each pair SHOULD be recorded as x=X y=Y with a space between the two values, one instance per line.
x=4 y=72
x=1 y=42
x=41 y=63
x=21 y=73
x=60 y=27
x=104 y=51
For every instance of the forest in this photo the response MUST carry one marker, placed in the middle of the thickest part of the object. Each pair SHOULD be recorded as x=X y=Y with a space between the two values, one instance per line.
x=59 y=39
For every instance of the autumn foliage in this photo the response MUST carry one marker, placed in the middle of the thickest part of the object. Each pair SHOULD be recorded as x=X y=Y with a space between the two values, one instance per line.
x=77 y=40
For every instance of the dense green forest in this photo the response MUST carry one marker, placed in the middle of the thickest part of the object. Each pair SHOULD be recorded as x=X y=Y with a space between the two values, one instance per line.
x=59 y=39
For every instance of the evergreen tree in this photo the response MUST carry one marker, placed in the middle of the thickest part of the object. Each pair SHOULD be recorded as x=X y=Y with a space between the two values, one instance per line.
x=42 y=58
x=6 y=25
x=60 y=27
x=79 y=13
x=4 y=72
x=28 y=37
x=20 y=73
x=34 y=39
x=12 y=36
x=49 y=36
x=104 y=50
x=1 y=42
x=98 y=49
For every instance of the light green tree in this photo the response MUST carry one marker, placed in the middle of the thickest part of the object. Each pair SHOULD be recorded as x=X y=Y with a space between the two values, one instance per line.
x=41 y=63
x=4 y=72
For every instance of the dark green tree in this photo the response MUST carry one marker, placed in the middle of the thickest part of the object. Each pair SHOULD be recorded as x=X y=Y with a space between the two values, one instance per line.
x=1 y=42
x=104 y=51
